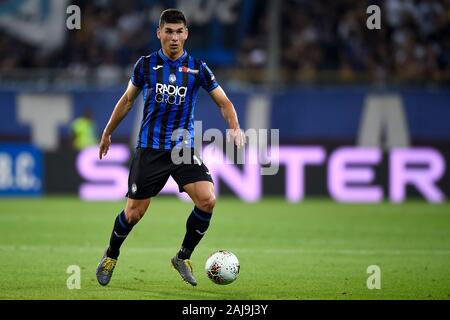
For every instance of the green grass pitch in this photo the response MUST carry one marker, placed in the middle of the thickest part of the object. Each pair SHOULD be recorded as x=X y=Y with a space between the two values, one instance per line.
x=317 y=249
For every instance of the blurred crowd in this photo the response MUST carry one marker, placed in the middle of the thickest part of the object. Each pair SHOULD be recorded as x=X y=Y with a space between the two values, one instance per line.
x=110 y=41
x=319 y=40
x=330 y=40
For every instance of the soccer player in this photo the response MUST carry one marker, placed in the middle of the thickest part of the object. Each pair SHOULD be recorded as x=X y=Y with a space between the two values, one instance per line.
x=169 y=80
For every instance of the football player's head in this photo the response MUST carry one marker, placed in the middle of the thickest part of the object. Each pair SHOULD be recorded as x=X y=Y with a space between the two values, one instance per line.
x=172 y=31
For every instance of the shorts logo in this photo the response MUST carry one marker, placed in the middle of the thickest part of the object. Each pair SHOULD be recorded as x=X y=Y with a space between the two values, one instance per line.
x=172 y=78
x=134 y=188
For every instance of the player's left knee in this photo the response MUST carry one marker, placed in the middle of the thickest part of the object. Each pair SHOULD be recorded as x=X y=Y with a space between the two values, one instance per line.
x=207 y=202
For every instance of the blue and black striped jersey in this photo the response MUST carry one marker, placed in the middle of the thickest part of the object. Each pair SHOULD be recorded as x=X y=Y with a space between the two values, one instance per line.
x=170 y=91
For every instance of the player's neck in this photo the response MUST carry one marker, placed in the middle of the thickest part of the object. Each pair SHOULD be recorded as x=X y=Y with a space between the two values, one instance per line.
x=174 y=56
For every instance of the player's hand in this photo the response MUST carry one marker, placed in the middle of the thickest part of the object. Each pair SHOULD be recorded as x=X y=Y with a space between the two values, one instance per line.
x=104 y=146
x=238 y=137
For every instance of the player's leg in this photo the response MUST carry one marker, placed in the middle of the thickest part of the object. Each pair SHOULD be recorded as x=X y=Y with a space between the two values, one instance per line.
x=202 y=193
x=148 y=174
x=203 y=196
x=195 y=180
x=123 y=224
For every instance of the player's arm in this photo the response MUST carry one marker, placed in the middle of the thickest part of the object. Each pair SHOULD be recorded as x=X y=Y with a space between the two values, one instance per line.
x=121 y=109
x=229 y=113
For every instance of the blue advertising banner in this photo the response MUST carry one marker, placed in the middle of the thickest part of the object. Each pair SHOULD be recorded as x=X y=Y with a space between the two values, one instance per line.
x=20 y=170
x=332 y=113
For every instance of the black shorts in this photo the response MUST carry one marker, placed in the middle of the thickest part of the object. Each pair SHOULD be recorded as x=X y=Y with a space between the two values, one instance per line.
x=150 y=169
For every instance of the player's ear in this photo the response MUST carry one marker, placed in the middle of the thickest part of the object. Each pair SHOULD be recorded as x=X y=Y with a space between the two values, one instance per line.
x=187 y=34
x=158 y=33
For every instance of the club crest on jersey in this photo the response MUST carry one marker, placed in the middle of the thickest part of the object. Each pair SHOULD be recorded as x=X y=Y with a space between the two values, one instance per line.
x=187 y=70
x=172 y=78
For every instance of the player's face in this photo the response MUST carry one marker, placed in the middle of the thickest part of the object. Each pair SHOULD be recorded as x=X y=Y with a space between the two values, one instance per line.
x=173 y=36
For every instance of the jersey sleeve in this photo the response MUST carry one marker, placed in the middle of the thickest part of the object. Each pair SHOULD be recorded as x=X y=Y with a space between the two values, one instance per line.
x=137 y=78
x=207 y=78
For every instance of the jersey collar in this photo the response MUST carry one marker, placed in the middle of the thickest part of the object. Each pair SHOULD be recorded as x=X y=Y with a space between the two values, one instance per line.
x=167 y=59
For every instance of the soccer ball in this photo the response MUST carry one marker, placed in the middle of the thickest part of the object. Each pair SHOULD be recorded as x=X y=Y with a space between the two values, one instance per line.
x=222 y=267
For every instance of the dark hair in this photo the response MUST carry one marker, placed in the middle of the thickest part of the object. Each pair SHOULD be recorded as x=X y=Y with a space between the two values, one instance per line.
x=172 y=16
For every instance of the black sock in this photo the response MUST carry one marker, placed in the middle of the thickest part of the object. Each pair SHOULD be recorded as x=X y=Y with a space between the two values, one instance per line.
x=120 y=232
x=196 y=226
